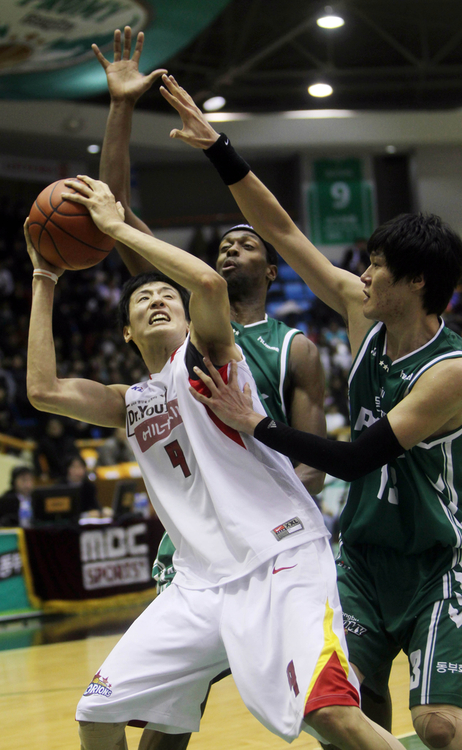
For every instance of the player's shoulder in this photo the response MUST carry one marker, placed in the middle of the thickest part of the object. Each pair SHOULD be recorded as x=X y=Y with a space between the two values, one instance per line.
x=302 y=347
x=133 y=392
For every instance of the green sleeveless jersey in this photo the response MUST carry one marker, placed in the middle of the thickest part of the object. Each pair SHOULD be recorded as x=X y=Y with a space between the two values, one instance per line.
x=266 y=347
x=411 y=504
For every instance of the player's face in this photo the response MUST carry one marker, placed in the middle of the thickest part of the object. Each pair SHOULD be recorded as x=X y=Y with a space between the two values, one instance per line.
x=384 y=299
x=156 y=312
x=242 y=255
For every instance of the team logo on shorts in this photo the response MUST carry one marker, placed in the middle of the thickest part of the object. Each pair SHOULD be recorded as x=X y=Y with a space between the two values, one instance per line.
x=352 y=625
x=292 y=677
x=289 y=527
x=99 y=686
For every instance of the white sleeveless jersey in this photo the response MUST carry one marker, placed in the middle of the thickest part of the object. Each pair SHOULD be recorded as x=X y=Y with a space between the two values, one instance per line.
x=228 y=502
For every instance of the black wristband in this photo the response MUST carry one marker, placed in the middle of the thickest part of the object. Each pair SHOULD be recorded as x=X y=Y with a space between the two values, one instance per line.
x=230 y=166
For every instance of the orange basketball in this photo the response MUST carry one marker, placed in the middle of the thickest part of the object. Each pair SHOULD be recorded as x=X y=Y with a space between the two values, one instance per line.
x=64 y=233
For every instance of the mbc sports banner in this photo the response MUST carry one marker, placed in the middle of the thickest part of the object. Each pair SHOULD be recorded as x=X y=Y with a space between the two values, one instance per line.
x=16 y=590
x=339 y=202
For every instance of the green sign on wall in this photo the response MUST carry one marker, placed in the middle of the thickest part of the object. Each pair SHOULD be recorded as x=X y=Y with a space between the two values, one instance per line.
x=339 y=202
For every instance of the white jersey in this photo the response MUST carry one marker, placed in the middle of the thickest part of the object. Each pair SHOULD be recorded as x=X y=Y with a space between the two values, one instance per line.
x=228 y=502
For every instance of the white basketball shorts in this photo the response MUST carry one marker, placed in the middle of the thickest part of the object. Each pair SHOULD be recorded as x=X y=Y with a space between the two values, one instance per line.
x=279 y=629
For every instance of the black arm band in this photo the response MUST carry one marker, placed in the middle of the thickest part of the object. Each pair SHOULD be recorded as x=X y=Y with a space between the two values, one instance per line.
x=230 y=166
x=374 y=448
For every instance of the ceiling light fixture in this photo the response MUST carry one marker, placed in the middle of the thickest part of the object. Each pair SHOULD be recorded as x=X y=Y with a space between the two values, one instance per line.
x=320 y=89
x=93 y=148
x=391 y=149
x=214 y=103
x=330 y=20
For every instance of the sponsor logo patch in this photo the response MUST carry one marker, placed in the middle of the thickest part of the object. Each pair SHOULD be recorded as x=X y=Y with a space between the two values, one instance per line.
x=289 y=527
x=278 y=570
x=152 y=421
x=352 y=625
x=99 y=686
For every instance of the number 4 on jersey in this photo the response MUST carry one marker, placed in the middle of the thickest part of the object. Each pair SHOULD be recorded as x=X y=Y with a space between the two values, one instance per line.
x=177 y=457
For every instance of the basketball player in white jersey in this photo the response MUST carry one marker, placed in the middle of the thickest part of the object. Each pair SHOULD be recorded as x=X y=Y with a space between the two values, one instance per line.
x=285 y=363
x=250 y=539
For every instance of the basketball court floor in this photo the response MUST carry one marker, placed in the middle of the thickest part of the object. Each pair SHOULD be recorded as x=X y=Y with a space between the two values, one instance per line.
x=46 y=665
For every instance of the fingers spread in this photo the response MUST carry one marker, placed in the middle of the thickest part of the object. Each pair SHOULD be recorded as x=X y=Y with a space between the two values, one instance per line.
x=198 y=396
x=127 y=42
x=117 y=45
x=138 y=47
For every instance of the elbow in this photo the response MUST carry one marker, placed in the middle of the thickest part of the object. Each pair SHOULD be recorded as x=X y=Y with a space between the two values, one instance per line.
x=38 y=397
x=213 y=285
x=317 y=484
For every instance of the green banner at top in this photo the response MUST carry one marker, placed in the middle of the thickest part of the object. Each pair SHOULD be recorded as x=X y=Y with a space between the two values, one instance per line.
x=45 y=45
x=339 y=202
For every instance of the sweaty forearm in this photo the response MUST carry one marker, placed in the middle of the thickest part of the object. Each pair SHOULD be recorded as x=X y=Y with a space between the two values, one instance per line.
x=374 y=448
x=41 y=357
x=115 y=158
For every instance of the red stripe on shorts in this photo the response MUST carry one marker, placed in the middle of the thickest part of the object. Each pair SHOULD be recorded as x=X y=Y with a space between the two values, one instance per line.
x=332 y=688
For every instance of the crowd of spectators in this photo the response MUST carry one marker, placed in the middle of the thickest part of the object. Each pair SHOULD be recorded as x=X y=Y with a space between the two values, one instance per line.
x=89 y=344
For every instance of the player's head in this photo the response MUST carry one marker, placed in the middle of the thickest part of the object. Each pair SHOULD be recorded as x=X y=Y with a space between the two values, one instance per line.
x=245 y=259
x=141 y=295
x=423 y=245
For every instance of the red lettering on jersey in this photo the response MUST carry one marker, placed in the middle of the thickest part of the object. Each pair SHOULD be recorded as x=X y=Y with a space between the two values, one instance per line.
x=158 y=427
x=200 y=387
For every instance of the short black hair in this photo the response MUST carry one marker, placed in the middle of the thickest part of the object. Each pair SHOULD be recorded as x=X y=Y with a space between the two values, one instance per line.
x=421 y=244
x=132 y=284
x=271 y=253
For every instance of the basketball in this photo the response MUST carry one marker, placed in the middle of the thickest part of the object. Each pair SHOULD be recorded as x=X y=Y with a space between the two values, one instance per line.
x=64 y=233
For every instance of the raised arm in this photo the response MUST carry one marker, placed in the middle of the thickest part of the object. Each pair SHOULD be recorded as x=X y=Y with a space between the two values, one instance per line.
x=126 y=84
x=339 y=289
x=305 y=401
x=209 y=305
x=78 y=398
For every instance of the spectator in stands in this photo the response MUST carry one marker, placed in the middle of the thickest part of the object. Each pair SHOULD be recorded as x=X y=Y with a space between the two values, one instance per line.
x=76 y=474
x=116 y=449
x=356 y=257
x=15 y=504
x=53 y=449
x=8 y=425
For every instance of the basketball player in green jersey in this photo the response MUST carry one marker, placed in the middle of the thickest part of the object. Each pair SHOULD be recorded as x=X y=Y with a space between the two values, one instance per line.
x=399 y=569
x=285 y=364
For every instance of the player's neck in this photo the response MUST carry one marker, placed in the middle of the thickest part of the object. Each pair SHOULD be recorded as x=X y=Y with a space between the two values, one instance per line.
x=405 y=338
x=155 y=358
x=246 y=312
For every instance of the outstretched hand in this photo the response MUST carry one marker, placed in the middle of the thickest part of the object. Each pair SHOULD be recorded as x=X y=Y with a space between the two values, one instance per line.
x=124 y=80
x=106 y=212
x=197 y=131
x=227 y=401
x=38 y=261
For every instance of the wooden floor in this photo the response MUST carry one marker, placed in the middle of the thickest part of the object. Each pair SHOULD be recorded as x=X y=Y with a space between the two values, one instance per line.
x=41 y=685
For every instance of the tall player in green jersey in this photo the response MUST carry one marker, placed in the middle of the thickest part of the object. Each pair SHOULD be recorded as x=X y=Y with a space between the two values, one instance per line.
x=399 y=570
x=285 y=364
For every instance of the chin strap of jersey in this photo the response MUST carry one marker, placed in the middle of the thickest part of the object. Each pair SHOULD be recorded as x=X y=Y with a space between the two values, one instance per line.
x=375 y=447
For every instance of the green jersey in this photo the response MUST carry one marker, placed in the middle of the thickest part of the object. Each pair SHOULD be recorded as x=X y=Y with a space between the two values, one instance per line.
x=266 y=347
x=411 y=504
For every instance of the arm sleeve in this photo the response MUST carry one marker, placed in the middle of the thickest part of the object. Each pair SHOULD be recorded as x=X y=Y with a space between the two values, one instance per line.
x=374 y=448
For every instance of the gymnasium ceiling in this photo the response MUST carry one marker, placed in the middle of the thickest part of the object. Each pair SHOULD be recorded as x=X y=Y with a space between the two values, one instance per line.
x=262 y=54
